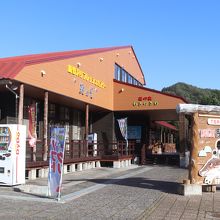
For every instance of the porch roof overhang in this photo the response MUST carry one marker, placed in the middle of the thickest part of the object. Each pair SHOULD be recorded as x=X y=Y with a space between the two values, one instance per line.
x=136 y=100
x=38 y=94
x=152 y=115
x=166 y=125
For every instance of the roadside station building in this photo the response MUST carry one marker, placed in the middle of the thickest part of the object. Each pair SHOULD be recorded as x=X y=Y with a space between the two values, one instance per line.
x=87 y=91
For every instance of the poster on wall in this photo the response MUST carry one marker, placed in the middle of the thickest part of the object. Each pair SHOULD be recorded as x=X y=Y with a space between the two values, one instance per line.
x=209 y=154
x=57 y=145
x=211 y=170
x=134 y=132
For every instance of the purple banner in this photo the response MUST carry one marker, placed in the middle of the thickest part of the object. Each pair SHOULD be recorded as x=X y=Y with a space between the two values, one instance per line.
x=57 y=145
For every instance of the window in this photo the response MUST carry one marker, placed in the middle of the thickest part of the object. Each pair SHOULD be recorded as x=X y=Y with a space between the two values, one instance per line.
x=78 y=125
x=117 y=73
x=52 y=110
x=129 y=79
x=135 y=82
x=123 y=76
x=64 y=113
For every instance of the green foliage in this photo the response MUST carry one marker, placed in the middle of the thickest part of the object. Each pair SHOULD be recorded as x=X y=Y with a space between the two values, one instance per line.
x=194 y=94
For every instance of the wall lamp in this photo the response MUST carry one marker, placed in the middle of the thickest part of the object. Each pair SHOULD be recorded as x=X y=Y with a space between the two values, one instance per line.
x=78 y=64
x=74 y=80
x=43 y=73
x=121 y=90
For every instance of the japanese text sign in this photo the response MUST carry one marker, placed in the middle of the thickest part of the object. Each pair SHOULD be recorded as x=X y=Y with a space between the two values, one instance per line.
x=214 y=121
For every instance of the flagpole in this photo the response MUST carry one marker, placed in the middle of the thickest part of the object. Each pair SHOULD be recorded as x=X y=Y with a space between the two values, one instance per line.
x=61 y=175
x=49 y=176
x=59 y=192
x=36 y=121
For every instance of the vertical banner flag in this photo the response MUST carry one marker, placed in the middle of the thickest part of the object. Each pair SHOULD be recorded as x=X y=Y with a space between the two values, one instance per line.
x=57 y=145
x=123 y=127
x=32 y=134
x=124 y=130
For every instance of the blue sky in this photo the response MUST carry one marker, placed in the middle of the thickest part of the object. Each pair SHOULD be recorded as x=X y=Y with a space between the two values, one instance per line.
x=174 y=40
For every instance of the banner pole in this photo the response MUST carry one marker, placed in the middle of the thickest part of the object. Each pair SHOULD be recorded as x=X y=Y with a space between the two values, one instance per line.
x=61 y=175
x=61 y=179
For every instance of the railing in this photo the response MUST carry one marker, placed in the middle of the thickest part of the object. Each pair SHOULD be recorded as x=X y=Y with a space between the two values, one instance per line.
x=81 y=150
x=119 y=148
x=30 y=154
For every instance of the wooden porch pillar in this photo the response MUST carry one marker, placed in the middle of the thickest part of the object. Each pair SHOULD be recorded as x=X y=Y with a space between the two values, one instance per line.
x=193 y=167
x=169 y=137
x=143 y=154
x=45 y=126
x=21 y=105
x=87 y=127
x=161 y=135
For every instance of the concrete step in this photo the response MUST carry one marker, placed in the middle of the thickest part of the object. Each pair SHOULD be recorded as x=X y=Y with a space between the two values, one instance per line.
x=32 y=189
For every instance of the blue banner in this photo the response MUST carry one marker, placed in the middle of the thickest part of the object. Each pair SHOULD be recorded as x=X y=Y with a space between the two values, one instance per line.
x=57 y=145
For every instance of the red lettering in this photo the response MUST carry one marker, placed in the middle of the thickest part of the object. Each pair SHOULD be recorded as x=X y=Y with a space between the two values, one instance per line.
x=17 y=142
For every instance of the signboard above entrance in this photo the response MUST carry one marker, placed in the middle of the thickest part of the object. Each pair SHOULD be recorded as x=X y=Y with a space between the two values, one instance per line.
x=77 y=72
x=145 y=101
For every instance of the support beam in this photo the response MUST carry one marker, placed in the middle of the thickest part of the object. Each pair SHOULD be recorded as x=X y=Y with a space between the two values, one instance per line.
x=45 y=125
x=87 y=122
x=161 y=135
x=182 y=134
x=192 y=108
x=87 y=127
x=143 y=154
x=193 y=169
x=21 y=105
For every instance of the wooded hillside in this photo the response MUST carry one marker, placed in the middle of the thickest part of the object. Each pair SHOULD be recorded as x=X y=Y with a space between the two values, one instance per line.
x=194 y=94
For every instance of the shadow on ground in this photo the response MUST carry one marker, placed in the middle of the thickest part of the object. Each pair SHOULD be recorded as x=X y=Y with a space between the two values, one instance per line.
x=167 y=186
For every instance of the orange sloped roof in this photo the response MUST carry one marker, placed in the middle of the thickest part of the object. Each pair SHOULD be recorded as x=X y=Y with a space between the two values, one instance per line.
x=10 y=67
